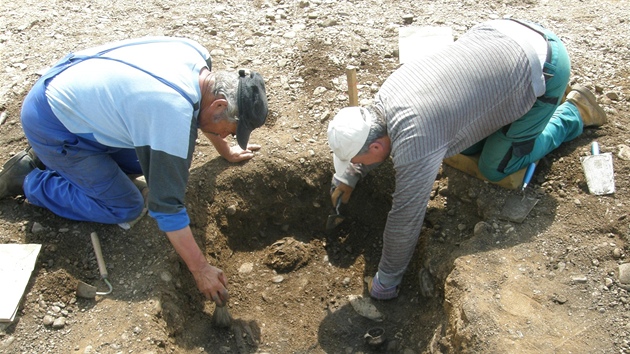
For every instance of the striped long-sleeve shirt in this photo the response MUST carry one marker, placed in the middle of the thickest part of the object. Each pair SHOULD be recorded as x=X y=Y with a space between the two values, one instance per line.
x=436 y=107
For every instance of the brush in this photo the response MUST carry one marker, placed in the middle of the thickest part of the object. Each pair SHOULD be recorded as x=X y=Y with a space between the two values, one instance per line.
x=221 y=316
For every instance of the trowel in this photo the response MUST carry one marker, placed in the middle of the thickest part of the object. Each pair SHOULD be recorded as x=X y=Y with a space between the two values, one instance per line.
x=516 y=208
x=335 y=219
x=88 y=291
x=598 y=170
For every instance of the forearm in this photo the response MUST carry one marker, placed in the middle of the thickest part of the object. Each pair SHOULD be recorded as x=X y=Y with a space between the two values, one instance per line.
x=220 y=144
x=404 y=221
x=187 y=248
x=210 y=280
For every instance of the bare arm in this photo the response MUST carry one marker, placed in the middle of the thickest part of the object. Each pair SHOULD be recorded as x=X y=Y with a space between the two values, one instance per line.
x=234 y=153
x=210 y=280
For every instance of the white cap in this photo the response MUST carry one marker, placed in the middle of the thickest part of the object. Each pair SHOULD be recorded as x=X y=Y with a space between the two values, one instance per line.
x=347 y=133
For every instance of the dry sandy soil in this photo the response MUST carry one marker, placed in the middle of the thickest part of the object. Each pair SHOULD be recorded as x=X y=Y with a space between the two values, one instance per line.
x=547 y=285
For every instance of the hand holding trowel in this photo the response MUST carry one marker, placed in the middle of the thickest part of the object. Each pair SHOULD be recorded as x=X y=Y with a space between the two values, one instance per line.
x=335 y=218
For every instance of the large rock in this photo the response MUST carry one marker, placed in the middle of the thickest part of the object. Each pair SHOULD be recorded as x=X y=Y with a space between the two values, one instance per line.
x=498 y=304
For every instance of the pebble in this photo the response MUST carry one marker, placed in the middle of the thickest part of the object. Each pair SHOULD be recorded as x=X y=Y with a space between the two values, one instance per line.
x=59 y=322
x=408 y=18
x=166 y=276
x=612 y=95
x=624 y=152
x=561 y=266
x=560 y=299
x=482 y=228
x=217 y=53
x=328 y=23
x=579 y=278
x=277 y=279
x=37 y=228
x=246 y=268
x=48 y=320
x=319 y=90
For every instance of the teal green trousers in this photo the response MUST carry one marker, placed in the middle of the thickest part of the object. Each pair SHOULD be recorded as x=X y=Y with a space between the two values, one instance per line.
x=541 y=130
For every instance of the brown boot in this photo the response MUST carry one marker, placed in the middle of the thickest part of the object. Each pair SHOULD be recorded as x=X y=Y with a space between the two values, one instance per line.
x=590 y=112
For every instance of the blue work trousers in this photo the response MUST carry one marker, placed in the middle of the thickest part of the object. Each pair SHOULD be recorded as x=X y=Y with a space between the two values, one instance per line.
x=541 y=130
x=83 y=180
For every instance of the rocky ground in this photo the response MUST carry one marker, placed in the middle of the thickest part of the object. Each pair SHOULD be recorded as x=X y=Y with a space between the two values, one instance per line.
x=479 y=283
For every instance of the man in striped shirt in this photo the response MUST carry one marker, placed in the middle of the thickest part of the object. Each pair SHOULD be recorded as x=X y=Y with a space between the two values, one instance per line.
x=499 y=91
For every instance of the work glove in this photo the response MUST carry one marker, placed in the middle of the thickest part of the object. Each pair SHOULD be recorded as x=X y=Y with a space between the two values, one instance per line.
x=338 y=190
x=379 y=292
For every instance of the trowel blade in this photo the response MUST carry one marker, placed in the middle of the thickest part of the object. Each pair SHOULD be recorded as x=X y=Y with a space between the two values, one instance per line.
x=516 y=208
x=333 y=221
x=599 y=173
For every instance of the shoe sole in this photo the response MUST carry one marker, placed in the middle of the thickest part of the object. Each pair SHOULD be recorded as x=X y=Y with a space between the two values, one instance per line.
x=592 y=100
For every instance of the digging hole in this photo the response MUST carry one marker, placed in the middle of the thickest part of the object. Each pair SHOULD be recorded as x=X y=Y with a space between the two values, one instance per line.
x=264 y=224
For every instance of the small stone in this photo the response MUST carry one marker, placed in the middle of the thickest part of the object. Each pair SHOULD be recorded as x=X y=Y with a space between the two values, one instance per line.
x=408 y=19
x=231 y=210
x=482 y=229
x=246 y=268
x=612 y=95
x=608 y=282
x=166 y=276
x=277 y=279
x=624 y=152
x=328 y=23
x=579 y=279
x=616 y=253
x=319 y=90
x=60 y=322
x=561 y=266
x=37 y=228
x=48 y=320
x=217 y=53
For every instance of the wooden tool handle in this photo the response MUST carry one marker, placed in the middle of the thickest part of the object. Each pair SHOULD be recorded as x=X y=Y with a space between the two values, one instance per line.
x=99 y=255
x=353 y=94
